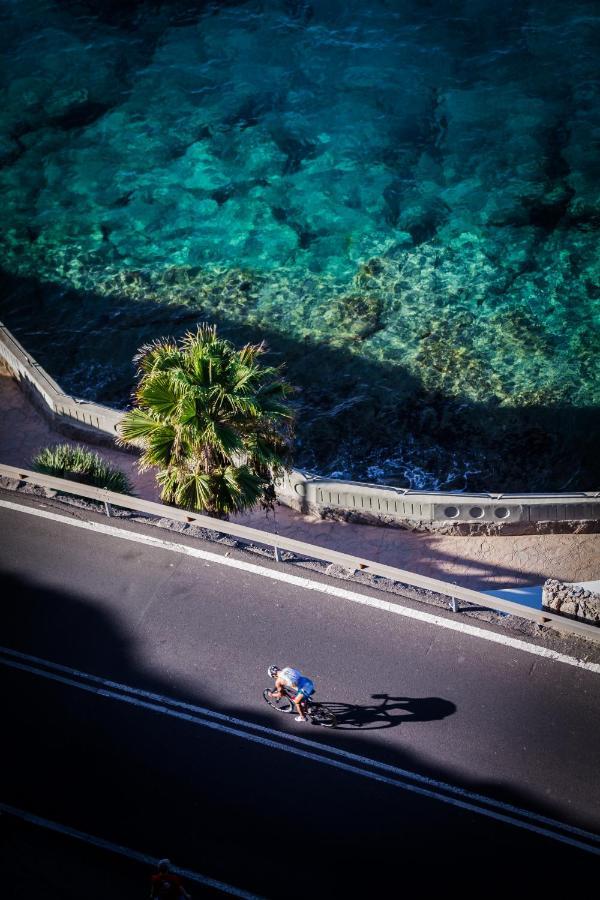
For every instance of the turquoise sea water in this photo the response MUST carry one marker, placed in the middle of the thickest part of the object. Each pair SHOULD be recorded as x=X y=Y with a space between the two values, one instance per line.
x=402 y=198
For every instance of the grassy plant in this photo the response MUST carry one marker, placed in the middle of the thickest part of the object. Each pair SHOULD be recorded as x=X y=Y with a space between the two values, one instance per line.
x=78 y=464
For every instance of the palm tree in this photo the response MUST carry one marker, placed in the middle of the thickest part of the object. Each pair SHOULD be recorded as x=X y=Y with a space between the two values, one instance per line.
x=212 y=419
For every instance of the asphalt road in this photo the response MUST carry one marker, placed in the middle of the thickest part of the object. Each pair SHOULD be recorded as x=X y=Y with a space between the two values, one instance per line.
x=255 y=808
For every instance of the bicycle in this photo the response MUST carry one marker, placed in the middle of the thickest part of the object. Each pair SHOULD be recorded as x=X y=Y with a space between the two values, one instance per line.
x=317 y=713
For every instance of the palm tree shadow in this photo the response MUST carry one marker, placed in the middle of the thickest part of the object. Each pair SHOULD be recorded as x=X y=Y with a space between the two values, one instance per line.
x=390 y=712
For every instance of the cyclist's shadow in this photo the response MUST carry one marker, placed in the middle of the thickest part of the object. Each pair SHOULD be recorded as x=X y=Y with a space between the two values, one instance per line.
x=391 y=711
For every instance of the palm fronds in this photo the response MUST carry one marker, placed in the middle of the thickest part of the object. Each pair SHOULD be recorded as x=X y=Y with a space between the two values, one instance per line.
x=213 y=419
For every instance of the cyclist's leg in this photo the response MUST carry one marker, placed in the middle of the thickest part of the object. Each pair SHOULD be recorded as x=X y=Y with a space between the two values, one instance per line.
x=301 y=707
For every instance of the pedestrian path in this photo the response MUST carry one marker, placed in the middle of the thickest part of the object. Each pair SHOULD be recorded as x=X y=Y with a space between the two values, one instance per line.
x=484 y=563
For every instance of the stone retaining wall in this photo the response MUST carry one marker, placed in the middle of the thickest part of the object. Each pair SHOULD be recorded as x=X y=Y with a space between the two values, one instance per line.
x=573 y=601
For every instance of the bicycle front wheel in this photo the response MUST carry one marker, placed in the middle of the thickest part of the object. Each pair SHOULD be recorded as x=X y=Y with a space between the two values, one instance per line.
x=283 y=704
x=320 y=715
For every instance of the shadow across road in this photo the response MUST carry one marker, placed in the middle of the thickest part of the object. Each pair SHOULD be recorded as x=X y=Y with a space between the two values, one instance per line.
x=202 y=789
x=389 y=712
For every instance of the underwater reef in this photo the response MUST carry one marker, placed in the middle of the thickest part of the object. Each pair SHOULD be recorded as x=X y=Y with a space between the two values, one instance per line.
x=403 y=200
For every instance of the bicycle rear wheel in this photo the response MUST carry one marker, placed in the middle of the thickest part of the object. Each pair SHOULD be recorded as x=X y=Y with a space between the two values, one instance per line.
x=283 y=704
x=320 y=715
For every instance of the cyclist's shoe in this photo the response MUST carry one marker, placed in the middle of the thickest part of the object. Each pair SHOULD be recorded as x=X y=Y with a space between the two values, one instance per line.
x=301 y=719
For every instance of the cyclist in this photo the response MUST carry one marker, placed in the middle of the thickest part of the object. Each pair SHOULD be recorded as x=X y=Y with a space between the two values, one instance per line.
x=167 y=885
x=298 y=685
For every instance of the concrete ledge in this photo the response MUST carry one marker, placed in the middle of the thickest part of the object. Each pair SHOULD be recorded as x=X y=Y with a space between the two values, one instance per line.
x=444 y=513
x=455 y=514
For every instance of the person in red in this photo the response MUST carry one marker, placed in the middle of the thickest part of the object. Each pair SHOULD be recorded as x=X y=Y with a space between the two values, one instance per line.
x=166 y=885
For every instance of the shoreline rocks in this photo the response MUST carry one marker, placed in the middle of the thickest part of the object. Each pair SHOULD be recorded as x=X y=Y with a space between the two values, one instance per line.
x=573 y=601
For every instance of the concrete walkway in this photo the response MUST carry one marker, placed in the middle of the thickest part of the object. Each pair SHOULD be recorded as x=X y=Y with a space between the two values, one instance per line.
x=484 y=563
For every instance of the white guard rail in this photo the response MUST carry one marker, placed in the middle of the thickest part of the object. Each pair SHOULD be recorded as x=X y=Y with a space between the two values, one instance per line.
x=255 y=536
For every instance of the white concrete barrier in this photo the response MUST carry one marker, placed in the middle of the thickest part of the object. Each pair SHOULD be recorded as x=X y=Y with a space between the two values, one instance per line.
x=49 y=396
x=466 y=513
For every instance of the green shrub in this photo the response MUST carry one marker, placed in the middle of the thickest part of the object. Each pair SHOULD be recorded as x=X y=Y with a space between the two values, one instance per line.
x=78 y=464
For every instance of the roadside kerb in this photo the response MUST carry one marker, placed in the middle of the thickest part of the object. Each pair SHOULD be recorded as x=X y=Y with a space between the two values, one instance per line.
x=454 y=592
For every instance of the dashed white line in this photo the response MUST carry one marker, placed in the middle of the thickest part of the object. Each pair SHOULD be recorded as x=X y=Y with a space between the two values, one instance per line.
x=307 y=584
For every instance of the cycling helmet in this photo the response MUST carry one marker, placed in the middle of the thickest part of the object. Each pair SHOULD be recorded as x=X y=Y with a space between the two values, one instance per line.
x=272 y=671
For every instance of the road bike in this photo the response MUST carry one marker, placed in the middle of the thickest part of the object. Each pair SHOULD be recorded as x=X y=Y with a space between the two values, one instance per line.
x=317 y=713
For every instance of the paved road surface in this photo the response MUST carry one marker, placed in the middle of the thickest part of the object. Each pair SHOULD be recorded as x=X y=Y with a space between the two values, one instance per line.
x=241 y=804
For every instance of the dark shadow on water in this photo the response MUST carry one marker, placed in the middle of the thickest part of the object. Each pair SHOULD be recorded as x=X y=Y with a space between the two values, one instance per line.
x=391 y=712
x=352 y=412
x=134 y=15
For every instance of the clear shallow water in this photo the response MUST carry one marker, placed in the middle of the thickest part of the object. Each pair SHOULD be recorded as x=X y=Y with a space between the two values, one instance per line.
x=403 y=198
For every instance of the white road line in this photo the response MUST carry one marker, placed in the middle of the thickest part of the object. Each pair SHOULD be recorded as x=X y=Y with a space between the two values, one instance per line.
x=278 y=744
x=123 y=851
x=161 y=699
x=307 y=584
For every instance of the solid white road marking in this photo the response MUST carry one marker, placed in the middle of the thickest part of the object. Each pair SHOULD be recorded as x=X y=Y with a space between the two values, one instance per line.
x=123 y=851
x=307 y=584
x=165 y=706
x=332 y=750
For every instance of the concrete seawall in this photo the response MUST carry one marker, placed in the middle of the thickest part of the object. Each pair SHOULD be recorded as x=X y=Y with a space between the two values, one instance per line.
x=446 y=513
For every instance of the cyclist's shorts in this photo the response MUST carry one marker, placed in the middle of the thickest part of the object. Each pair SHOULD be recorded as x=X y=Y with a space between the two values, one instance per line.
x=305 y=689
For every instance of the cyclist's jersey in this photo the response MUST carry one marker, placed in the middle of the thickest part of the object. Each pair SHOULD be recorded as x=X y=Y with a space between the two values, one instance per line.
x=296 y=681
x=290 y=676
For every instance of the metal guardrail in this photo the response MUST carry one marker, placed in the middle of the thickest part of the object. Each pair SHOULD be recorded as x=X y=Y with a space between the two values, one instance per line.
x=311 y=493
x=454 y=592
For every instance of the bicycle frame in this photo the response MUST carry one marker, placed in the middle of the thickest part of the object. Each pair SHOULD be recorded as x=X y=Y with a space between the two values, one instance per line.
x=316 y=713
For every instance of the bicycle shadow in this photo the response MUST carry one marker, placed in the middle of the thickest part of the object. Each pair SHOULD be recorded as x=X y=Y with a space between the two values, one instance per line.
x=392 y=711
